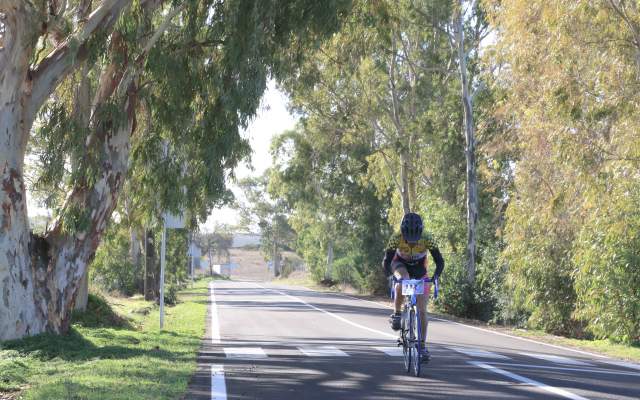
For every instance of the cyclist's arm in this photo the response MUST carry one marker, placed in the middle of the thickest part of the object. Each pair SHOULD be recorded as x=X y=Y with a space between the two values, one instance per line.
x=386 y=262
x=437 y=257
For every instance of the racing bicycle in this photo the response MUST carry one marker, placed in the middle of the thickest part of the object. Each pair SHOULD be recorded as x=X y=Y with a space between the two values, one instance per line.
x=410 y=331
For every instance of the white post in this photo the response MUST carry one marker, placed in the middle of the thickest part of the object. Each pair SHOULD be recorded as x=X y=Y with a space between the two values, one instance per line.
x=193 y=263
x=163 y=251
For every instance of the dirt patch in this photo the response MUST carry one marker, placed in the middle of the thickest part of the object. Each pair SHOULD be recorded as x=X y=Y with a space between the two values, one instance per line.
x=9 y=395
x=251 y=265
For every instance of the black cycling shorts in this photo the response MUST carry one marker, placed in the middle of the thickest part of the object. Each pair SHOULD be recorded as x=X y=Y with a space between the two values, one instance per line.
x=416 y=269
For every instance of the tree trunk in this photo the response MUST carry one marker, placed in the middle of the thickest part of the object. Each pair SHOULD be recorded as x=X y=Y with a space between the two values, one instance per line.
x=82 y=111
x=470 y=152
x=276 y=260
x=22 y=256
x=151 y=288
x=404 y=181
x=329 y=273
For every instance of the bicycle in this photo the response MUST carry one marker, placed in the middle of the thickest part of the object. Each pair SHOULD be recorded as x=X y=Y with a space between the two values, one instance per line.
x=410 y=330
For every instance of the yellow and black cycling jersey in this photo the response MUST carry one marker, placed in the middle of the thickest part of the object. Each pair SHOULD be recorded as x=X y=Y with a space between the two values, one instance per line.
x=411 y=252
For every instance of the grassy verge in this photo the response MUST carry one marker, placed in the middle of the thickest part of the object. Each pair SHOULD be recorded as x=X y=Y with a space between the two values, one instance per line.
x=604 y=347
x=114 y=351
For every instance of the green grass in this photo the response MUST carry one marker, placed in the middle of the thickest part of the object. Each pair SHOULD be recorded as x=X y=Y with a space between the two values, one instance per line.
x=114 y=351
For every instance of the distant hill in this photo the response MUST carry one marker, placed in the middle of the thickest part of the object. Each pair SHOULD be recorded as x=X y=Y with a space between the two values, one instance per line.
x=245 y=239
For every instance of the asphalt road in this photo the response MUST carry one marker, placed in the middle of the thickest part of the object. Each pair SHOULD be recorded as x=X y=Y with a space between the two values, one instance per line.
x=270 y=342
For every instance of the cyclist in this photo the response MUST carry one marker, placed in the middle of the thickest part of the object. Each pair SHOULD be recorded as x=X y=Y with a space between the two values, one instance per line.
x=406 y=257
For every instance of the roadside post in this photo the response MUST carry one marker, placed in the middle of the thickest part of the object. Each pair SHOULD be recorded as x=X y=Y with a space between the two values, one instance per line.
x=170 y=221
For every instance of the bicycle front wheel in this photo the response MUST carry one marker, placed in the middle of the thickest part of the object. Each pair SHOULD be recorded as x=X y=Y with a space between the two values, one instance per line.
x=406 y=342
x=415 y=343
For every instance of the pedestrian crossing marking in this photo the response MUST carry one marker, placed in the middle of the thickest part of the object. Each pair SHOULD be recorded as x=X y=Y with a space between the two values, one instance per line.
x=322 y=351
x=479 y=353
x=245 y=352
x=557 y=359
x=391 y=351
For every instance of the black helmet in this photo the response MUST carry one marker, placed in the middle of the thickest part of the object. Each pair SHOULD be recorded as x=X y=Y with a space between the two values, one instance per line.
x=411 y=227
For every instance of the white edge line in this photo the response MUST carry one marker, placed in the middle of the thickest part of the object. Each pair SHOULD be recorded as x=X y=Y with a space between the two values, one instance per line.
x=522 y=379
x=218 y=385
x=477 y=328
x=215 y=325
x=330 y=313
x=624 y=364
x=594 y=370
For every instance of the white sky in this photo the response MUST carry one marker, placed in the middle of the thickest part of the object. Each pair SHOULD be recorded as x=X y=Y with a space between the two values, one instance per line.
x=272 y=118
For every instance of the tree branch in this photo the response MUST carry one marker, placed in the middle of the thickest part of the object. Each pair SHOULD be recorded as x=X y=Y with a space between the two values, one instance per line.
x=68 y=55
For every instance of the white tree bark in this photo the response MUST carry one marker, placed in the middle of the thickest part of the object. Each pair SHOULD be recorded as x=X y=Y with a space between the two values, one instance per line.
x=19 y=314
x=470 y=151
x=39 y=276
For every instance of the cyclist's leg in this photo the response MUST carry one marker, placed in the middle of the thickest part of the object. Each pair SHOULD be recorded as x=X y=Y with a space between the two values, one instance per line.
x=419 y=271
x=400 y=272
x=421 y=302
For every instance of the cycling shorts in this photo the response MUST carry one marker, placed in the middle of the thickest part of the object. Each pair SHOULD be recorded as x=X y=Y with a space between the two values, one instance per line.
x=416 y=269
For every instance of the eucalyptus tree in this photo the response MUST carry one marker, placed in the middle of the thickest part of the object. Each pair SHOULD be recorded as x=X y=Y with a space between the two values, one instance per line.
x=197 y=68
x=379 y=80
x=572 y=226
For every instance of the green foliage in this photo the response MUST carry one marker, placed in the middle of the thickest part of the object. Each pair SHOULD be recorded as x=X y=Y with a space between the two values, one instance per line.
x=111 y=268
x=607 y=252
x=571 y=229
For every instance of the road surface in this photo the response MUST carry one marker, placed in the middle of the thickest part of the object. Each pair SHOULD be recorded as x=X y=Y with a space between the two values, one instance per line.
x=265 y=341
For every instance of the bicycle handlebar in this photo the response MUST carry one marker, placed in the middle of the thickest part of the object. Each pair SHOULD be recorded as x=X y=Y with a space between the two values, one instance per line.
x=436 y=286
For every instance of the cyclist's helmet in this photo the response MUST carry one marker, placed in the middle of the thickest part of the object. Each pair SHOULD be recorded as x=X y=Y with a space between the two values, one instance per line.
x=411 y=227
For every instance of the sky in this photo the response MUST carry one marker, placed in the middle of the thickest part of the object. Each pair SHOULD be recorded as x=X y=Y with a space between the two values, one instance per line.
x=273 y=118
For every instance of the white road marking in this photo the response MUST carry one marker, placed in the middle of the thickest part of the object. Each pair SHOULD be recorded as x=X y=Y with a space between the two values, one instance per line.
x=322 y=351
x=557 y=359
x=366 y=328
x=479 y=353
x=245 y=352
x=539 y=385
x=594 y=370
x=218 y=384
x=215 y=324
x=391 y=351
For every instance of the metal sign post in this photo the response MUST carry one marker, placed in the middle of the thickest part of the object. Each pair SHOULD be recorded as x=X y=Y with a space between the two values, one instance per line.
x=163 y=251
x=169 y=221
